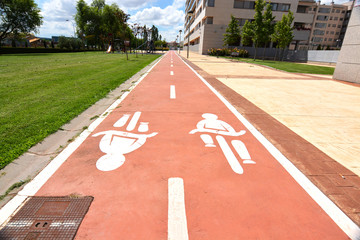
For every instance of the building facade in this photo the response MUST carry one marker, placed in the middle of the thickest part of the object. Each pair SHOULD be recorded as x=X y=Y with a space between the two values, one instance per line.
x=348 y=64
x=205 y=28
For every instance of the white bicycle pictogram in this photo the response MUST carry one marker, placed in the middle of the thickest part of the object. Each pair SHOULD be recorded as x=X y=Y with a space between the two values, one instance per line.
x=117 y=143
x=211 y=124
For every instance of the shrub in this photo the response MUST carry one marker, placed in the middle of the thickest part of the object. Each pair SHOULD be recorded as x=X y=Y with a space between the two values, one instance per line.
x=70 y=43
x=228 y=52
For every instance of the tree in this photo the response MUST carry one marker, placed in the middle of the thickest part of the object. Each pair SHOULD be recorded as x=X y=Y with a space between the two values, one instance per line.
x=154 y=33
x=283 y=32
x=232 y=35
x=18 y=16
x=100 y=23
x=247 y=33
x=258 y=24
x=268 y=27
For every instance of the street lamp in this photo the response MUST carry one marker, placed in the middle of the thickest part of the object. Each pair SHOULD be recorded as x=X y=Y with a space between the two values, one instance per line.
x=67 y=20
x=177 y=37
x=180 y=40
x=189 y=14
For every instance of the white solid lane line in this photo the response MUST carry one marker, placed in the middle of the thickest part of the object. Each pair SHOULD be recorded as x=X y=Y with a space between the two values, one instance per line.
x=177 y=224
x=172 y=92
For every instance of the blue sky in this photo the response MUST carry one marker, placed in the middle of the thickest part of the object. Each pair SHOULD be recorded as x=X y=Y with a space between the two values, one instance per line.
x=166 y=15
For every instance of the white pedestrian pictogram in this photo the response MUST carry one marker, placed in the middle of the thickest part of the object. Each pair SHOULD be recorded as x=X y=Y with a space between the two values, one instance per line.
x=117 y=143
x=211 y=124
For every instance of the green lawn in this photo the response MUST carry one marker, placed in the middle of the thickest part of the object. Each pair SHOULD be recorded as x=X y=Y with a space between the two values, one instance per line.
x=290 y=66
x=41 y=92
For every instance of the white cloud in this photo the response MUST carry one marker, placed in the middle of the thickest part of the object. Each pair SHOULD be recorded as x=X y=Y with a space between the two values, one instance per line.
x=168 y=16
x=169 y=20
x=56 y=12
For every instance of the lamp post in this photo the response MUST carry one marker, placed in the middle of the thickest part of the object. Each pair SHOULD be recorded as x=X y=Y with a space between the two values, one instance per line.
x=180 y=40
x=189 y=14
x=177 y=37
x=67 y=20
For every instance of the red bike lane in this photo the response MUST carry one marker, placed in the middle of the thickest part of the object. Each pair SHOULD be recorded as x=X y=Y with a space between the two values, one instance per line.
x=173 y=126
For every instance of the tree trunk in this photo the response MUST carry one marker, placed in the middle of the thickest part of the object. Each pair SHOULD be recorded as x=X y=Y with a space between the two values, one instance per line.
x=276 y=50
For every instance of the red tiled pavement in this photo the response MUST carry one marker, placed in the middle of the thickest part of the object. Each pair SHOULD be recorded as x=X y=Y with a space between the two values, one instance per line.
x=130 y=202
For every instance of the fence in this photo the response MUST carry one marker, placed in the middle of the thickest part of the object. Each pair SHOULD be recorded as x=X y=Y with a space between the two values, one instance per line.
x=326 y=56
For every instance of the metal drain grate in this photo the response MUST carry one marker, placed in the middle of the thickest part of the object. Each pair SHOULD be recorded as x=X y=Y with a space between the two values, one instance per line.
x=47 y=218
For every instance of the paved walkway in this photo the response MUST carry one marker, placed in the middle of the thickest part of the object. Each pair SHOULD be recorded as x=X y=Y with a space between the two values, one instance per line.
x=174 y=160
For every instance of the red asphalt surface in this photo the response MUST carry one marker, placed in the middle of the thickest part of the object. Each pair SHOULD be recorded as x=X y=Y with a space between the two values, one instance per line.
x=131 y=202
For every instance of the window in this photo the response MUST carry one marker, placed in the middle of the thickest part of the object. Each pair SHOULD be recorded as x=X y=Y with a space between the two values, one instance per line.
x=331 y=18
x=284 y=7
x=337 y=33
x=336 y=18
x=244 y=4
x=325 y=39
x=301 y=9
x=211 y=3
x=329 y=25
x=327 y=32
x=209 y=20
x=334 y=25
x=324 y=10
x=279 y=7
x=332 y=33
x=337 y=10
x=341 y=19
x=330 y=39
x=322 y=18
x=320 y=25
x=339 y=26
x=274 y=6
x=333 y=11
x=317 y=39
x=343 y=11
x=318 y=32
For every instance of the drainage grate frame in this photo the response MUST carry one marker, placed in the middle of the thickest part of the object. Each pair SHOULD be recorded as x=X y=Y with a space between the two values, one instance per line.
x=47 y=218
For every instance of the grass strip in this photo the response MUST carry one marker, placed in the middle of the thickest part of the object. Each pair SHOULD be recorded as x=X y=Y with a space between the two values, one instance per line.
x=41 y=92
x=12 y=187
x=289 y=66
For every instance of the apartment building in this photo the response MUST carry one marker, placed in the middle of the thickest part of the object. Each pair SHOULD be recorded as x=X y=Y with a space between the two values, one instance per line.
x=204 y=29
x=328 y=24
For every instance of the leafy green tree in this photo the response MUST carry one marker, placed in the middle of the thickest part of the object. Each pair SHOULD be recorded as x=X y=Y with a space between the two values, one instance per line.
x=100 y=23
x=283 y=32
x=268 y=19
x=232 y=35
x=258 y=24
x=154 y=33
x=18 y=16
x=247 y=33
